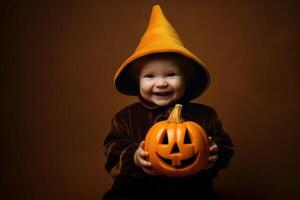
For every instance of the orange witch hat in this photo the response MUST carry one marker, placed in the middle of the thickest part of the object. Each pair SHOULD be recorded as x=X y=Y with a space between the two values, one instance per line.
x=161 y=37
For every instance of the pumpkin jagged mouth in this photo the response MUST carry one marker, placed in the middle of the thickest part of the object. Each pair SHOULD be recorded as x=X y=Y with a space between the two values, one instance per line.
x=183 y=163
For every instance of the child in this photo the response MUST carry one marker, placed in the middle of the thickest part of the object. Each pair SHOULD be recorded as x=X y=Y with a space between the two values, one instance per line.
x=162 y=73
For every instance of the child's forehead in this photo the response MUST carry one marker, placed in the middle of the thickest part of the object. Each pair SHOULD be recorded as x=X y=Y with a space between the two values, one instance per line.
x=161 y=62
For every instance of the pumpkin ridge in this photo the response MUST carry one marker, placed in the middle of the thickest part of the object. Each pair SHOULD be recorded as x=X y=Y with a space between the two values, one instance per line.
x=202 y=132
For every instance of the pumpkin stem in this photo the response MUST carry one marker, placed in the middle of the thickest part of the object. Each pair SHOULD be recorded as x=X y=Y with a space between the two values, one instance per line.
x=175 y=116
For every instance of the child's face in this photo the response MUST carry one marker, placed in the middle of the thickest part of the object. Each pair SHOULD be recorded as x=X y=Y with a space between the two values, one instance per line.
x=161 y=82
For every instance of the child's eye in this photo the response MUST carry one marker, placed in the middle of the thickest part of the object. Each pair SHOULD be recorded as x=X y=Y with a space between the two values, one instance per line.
x=149 y=76
x=171 y=74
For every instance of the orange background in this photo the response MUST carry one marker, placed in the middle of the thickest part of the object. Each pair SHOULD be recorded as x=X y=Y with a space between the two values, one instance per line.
x=57 y=66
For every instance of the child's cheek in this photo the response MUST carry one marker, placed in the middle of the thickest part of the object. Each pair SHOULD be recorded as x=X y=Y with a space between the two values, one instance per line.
x=145 y=86
x=178 y=84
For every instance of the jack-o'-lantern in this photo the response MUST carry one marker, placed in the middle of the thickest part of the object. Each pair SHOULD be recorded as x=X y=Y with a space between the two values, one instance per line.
x=177 y=147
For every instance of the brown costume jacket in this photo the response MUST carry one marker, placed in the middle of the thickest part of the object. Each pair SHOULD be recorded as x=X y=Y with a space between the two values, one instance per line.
x=128 y=129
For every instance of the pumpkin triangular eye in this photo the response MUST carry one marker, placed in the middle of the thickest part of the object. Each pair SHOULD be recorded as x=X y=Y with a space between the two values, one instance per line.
x=165 y=139
x=187 y=138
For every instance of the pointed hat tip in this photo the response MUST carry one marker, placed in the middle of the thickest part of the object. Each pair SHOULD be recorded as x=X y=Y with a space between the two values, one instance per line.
x=156 y=7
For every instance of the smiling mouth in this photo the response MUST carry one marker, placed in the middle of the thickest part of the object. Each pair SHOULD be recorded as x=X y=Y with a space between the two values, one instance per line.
x=162 y=93
x=184 y=162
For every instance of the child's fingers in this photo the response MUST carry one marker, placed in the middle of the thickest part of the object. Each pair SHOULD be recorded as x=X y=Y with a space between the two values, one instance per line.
x=213 y=158
x=141 y=156
x=144 y=163
x=142 y=145
x=143 y=153
x=214 y=148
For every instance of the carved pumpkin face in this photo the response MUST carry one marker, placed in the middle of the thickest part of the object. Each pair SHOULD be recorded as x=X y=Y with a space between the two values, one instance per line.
x=177 y=147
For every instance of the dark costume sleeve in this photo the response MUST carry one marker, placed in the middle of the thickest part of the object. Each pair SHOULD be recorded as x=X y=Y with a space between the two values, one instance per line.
x=119 y=150
x=222 y=139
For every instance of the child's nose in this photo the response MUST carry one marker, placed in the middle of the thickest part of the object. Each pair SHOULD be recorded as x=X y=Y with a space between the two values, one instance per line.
x=161 y=83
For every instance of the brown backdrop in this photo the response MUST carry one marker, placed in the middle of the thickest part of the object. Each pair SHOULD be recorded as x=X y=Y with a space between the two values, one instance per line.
x=57 y=66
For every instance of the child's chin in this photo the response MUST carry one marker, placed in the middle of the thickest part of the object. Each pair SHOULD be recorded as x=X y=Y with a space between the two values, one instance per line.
x=163 y=102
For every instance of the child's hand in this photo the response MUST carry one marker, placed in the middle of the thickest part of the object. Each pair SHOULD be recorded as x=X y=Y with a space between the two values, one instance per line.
x=213 y=154
x=140 y=157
